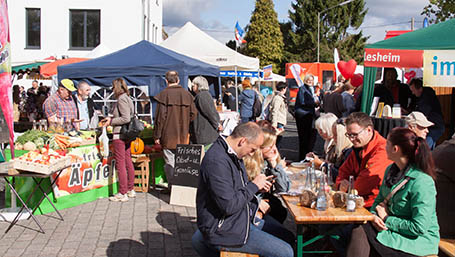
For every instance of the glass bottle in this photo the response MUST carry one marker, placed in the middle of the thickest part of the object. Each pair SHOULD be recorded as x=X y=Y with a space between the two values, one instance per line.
x=321 y=202
x=350 y=199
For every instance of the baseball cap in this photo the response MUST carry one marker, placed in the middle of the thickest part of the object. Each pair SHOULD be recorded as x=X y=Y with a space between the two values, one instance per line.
x=68 y=84
x=419 y=119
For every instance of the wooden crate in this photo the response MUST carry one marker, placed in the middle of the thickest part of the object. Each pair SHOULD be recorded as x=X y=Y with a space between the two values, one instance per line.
x=141 y=172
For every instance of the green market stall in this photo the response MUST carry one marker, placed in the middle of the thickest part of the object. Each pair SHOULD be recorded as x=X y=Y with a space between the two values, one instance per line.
x=89 y=178
x=415 y=49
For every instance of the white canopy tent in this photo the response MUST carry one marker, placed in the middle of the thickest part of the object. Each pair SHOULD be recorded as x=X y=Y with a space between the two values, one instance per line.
x=191 y=41
x=100 y=50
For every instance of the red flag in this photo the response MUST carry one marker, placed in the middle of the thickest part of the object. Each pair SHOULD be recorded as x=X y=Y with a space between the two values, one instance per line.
x=6 y=94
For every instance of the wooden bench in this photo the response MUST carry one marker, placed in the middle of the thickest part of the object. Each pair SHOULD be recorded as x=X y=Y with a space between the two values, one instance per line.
x=447 y=246
x=235 y=254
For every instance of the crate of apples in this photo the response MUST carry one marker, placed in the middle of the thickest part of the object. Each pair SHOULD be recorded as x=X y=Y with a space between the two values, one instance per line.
x=44 y=161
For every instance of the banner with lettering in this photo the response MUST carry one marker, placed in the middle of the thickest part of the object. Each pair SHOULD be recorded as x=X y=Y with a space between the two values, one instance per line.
x=87 y=172
x=439 y=68
x=393 y=58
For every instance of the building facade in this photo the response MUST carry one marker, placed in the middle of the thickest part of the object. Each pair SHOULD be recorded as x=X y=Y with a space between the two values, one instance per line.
x=60 y=28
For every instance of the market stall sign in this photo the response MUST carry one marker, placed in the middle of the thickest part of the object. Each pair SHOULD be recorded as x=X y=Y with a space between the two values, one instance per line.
x=87 y=172
x=187 y=163
x=241 y=74
x=439 y=68
x=393 y=58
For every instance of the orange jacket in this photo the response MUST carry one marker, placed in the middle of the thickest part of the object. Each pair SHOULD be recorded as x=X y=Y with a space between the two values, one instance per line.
x=368 y=176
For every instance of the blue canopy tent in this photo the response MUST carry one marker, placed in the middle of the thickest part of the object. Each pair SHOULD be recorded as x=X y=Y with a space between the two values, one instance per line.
x=141 y=64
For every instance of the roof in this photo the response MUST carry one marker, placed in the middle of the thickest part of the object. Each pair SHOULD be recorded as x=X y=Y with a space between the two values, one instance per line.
x=137 y=64
x=192 y=41
x=439 y=36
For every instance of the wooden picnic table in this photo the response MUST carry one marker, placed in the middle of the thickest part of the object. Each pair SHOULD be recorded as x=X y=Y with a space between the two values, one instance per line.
x=307 y=216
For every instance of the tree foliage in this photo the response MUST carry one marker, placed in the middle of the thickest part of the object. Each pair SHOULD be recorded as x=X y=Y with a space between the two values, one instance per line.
x=300 y=35
x=263 y=35
x=439 y=10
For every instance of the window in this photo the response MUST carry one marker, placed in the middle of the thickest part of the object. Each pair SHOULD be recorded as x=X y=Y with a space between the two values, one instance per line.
x=84 y=29
x=33 y=30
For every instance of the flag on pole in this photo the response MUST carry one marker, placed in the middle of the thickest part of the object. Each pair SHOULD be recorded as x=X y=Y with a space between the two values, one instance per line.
x=239 y=34
x=5 y=75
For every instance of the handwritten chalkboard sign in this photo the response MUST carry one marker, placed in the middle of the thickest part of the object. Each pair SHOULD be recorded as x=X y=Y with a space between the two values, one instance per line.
x=187 y=162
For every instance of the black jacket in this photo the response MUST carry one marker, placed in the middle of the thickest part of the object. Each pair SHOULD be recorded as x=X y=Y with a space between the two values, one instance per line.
x=226 y=203
x=90 y=104
x=204 y=129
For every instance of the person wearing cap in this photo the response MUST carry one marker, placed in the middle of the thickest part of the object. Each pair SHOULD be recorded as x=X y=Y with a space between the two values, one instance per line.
x=418 y=123
x=60 y=106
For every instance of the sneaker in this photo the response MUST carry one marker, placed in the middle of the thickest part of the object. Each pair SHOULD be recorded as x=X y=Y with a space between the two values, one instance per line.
x=119 y=198
x=131 y=194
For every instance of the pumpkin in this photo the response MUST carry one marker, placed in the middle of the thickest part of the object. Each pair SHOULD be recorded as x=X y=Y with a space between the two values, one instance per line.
x=137 y=146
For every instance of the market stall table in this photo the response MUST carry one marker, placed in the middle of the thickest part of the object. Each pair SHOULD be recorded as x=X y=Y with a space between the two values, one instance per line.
x=6 y=170
x=385 y=125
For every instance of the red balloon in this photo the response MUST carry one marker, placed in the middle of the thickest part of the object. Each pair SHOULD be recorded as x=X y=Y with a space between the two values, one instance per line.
x=357 y=80
x=347 y=69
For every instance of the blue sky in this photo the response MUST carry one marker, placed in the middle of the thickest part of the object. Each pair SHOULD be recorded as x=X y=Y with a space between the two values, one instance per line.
x=218 y=17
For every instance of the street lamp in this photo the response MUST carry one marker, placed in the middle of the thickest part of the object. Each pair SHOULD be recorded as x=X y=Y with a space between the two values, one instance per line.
x=319 y=17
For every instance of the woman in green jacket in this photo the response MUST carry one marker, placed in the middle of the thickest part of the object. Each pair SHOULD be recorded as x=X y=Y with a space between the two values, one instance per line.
x=406 y=224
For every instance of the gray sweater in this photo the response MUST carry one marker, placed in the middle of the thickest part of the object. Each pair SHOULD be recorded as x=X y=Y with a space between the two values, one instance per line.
x=122 y=112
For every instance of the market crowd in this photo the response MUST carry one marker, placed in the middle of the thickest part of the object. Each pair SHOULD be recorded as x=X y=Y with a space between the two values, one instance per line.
x=241 y=175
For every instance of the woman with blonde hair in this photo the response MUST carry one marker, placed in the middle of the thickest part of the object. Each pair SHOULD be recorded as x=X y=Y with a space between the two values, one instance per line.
x=271 y=213
x=122 y=113
x=337 y=149
x=267 y=160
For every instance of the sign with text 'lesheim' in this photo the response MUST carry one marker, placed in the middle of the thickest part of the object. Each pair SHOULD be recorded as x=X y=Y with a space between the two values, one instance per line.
x=439 y=68
x=240 y=74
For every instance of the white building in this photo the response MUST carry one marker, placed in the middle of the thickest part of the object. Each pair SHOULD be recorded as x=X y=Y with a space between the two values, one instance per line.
x=43 y=28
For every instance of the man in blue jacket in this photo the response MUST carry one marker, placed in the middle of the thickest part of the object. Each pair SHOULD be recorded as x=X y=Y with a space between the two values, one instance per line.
x=226 y=202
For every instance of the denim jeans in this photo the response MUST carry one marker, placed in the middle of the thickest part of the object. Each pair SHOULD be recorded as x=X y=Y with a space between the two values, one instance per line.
x=124 y=165
x=433 y=135
x=259 y=242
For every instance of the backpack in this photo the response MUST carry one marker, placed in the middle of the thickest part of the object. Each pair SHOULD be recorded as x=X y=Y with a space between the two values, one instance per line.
x=257 y=106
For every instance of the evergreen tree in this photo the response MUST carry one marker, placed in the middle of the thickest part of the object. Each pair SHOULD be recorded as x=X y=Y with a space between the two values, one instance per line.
x=263 y=35
x=439 y=10
x=301 y=37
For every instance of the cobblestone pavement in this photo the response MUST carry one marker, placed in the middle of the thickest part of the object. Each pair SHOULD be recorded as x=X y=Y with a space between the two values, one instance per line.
x=145 y=226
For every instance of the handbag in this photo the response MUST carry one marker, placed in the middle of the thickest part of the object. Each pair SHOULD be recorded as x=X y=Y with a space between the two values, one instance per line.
x=131 y=130
x=389 y=196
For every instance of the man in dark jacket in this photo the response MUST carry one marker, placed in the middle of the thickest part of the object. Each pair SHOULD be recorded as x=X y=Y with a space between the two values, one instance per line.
x=226 y=202
x=175 y=110
x=392 y=91
x=84 y=104
x=428 y=103
x=229 y=98
x=445 y=185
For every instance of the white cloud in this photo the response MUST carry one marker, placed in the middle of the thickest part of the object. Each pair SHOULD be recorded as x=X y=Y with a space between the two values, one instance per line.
x=388 y=15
